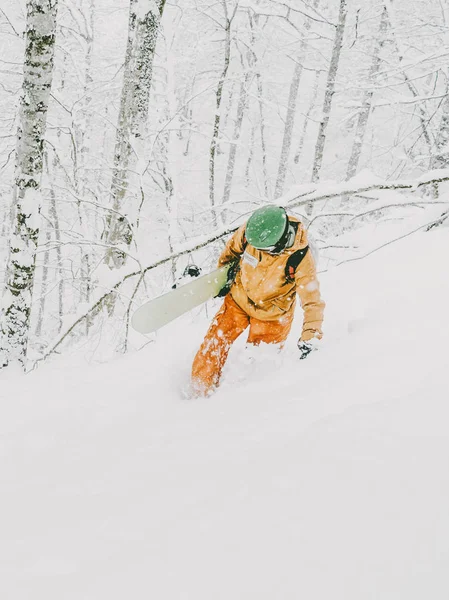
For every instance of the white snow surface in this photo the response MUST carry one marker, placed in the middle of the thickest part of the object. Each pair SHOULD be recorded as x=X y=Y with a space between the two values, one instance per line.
x=319 y=479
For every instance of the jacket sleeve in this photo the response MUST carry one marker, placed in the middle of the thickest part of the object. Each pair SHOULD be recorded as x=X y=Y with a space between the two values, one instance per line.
x=234 y=247
x=308 y=290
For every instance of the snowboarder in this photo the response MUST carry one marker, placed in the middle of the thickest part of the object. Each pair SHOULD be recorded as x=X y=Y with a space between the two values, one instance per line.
x=274 y=263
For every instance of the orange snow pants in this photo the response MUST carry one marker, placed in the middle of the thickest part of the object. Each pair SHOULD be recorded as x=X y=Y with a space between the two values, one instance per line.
x=228 y=324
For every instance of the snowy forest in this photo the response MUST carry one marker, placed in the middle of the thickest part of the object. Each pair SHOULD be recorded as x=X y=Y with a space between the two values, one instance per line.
x=136 y=134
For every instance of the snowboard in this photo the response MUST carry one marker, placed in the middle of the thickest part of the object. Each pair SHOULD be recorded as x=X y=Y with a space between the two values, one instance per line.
x=156 y=313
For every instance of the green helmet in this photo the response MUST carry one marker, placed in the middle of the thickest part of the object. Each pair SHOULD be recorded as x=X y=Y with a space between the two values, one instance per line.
x=266 y=227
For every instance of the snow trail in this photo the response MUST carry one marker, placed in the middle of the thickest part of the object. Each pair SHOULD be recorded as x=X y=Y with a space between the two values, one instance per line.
x=317 y=479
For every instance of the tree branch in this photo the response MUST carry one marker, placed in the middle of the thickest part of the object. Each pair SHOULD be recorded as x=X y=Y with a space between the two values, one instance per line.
x=345 y=189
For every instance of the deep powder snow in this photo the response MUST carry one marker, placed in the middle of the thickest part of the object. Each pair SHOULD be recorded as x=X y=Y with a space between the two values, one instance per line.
x=317 y=479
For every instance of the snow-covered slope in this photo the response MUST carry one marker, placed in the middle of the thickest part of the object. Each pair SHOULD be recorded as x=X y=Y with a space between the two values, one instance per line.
x=325 y=478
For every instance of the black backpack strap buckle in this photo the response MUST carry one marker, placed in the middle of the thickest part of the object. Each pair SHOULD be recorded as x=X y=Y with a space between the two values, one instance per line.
x=293 y=262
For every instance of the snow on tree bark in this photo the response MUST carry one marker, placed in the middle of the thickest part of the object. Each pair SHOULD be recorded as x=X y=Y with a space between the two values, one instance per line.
x=82 y=145
x=364 y=113
x=307 y=118
x=424 y=117
x=288 y=130
x=241 y=107
x=311 y=107
x=330 y=90
x=20 y=270
x=144 y=25
x=440 y=158
x=291 y=112
x=217 y=119
x=235 y=138
x=255 y=32
x=263 y=144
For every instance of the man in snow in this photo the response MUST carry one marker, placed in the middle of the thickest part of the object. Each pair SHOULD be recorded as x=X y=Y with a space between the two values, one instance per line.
x=274 y=263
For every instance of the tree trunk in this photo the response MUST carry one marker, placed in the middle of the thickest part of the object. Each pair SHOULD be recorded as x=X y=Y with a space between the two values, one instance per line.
x=254 y=23
x=82 y=150
x=263 y=143
x=52 y=223
x=218 y=99
x=144 y=25
x=250 y=156
x=441 y=156
x=364 y=113
x=291 y=111
x=424 y=117
x=288 y=130
x=309 y=207
x=242 y=105
x=330 y=90
x=235 y=138
x=37 y=80
x=44 y=283
x=55 y=222
x=440 y=159
x=312 y=103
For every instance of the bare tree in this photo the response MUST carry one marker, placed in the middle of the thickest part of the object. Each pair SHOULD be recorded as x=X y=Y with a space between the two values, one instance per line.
x=37 y=80
x=241 y=107
x=51 y=225
x=315 y=196
x=330 y=90
x=291 y=110
x=440 y=159
x=143 y=30
x=307 y=117
x=362 y=119
x=82 y=140
x=254 y=25
x=218 y=99
x=424 y=117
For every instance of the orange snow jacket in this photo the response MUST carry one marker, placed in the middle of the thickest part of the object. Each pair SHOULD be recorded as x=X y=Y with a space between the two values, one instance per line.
x=263 y=289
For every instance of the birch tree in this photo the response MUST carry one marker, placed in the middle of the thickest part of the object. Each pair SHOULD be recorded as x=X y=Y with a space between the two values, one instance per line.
x=20 y=271
x=143 y=30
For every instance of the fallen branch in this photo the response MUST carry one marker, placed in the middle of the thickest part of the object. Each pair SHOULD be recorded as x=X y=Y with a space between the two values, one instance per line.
x=289 y=202
x=344 y=189
x=424 y=227
x=140 y=273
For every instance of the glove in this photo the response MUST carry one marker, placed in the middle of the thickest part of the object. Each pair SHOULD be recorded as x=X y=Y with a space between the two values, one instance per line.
x=232 y=273
x=191 y=271
x=305 y=348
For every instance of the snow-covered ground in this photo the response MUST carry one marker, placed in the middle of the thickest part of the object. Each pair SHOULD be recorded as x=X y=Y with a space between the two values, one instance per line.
x=321 y=479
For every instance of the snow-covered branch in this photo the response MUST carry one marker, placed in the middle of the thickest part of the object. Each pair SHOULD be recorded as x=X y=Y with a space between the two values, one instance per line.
x=320 y=193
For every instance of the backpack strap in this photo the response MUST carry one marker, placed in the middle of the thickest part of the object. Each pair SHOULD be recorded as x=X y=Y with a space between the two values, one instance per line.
x=293 y=262
x=233 y=270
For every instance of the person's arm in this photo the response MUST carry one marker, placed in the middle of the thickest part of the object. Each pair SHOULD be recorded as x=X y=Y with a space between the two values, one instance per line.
x=234 y=247
x=312 y=304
